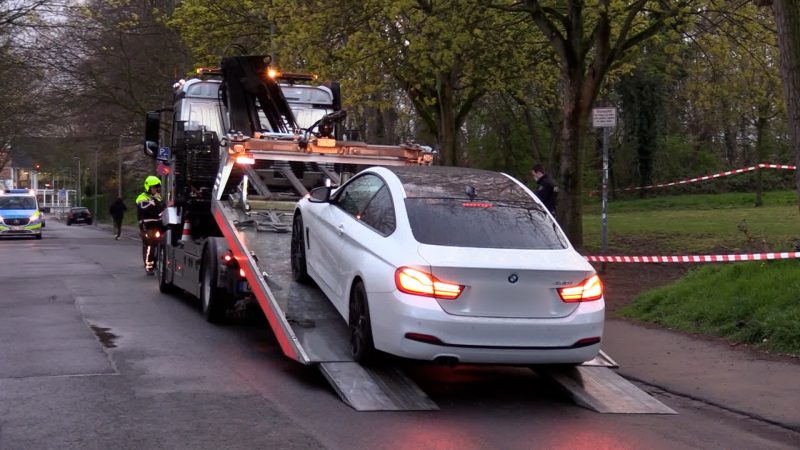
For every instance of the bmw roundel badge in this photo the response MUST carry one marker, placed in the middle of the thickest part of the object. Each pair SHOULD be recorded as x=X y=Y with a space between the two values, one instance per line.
x=513 y=278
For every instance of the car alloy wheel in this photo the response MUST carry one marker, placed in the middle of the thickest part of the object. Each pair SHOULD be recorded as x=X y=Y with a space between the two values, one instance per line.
x=298 y=251
x=361 y=343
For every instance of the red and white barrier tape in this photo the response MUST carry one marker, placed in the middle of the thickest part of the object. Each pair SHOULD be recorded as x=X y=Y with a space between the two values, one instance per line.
x=711 y=177
x=694 y=258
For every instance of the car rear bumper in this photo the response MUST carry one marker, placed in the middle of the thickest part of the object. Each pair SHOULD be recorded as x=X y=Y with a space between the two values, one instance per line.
x=482 y=339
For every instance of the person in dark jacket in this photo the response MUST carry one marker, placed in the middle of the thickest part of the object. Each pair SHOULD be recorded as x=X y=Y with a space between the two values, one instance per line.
x=117 y=210
x=547 y=190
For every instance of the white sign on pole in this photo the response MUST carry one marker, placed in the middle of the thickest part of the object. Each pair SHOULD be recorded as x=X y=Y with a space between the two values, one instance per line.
x=604 y=117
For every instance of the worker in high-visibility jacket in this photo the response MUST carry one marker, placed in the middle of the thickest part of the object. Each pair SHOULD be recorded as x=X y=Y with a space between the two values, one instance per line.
x=149 y=208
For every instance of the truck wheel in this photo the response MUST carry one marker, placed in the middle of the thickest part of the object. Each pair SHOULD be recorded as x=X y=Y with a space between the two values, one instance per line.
x=211 y=300
x=299 y=268
x=361 y=343
x=161 y=271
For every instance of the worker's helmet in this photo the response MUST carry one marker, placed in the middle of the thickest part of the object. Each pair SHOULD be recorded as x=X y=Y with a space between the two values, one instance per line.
x=150 y=182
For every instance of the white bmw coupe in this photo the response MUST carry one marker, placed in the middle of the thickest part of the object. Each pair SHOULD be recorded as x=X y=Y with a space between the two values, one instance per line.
x=449 y=264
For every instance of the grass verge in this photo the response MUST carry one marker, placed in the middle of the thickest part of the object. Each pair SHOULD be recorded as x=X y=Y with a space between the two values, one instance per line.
x=697 y=224
x=755 y=303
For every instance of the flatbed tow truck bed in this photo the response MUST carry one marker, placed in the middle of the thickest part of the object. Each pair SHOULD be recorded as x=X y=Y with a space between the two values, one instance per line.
x=307 y=326
x=310 y=331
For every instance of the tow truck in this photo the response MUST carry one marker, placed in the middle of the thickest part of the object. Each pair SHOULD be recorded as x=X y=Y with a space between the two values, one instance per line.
x=237 y=160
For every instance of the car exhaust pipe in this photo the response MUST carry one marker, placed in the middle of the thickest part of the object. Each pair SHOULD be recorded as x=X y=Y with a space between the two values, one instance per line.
x=449 y=361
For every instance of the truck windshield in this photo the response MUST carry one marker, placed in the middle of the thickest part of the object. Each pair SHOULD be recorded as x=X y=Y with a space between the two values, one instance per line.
x=200 y=114
x=17 y=203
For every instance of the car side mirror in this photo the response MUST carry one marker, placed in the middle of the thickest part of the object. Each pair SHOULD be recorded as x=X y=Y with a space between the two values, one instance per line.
x=152 y=128
x=320 y=194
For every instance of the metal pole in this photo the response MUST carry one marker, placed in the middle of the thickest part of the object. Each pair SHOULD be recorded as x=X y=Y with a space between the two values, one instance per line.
x=78 y=194
x=95 y=186
x=119 y=170
x=604 y=207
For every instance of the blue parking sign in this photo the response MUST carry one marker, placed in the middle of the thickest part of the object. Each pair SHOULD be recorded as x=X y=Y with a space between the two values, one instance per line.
x=163 y=154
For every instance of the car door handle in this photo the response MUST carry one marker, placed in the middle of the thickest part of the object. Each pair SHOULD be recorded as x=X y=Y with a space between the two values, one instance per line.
x=340 y=229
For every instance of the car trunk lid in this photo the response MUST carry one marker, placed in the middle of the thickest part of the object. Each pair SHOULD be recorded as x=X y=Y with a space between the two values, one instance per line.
x=507 y=282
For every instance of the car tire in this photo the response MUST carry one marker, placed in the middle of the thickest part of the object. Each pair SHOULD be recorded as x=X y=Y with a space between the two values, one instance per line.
x=69 y=223
x=88 y=222
x=298 y=251
x=361 y=344
x=211 y=298
x=164 y=286
x=39 y=236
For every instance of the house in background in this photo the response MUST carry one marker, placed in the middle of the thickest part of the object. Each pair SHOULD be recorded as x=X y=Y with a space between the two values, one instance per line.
x=17 y=171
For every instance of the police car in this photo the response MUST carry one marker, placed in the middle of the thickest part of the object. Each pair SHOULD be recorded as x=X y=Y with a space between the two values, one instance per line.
x=19 y=214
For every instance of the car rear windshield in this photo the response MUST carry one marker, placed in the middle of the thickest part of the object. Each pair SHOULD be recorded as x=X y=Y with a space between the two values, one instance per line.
x=482 y=224
x=17 y=203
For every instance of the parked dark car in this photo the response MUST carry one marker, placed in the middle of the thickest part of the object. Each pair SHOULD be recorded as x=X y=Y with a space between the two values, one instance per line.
x=79 y=215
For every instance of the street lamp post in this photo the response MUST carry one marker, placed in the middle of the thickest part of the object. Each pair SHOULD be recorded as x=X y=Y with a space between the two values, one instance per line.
x=78 y=195
x=95 y=185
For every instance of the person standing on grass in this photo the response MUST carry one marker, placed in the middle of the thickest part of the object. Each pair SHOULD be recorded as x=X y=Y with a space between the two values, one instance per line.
x=547 y=190
x=117 y=210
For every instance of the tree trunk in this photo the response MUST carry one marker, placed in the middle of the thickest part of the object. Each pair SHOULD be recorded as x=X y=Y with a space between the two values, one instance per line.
x=373 y=124
x=570 y=206
x=389 y=118
x=447 y=133
x=787 y=19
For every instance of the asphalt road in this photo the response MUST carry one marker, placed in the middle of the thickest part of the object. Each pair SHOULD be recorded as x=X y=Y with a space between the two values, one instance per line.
x=93 y=356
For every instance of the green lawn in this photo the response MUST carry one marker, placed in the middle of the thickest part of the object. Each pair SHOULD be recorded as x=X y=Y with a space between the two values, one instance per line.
x=754 y=302
x=696 y=223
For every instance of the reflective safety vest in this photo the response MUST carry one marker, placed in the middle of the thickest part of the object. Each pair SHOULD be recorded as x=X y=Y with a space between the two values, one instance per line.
x=149 y=209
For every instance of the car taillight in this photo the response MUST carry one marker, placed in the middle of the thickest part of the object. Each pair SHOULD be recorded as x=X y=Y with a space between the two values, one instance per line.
x=413 y=281
x=588 y=290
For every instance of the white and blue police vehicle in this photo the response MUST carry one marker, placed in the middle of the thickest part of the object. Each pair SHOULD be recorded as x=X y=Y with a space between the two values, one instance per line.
x=20 y=214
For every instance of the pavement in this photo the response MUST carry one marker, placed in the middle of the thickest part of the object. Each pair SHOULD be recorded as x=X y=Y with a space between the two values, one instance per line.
x=738 y=379
x=741 y=380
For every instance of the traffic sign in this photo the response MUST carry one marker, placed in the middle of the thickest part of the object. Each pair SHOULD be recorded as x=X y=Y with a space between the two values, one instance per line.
x=604 y=117
x=163 y=154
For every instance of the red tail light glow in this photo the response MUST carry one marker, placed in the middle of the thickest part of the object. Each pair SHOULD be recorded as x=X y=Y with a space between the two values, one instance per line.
x=227 y=258
x=476 y=205
x=241 y=273
x=590 y=289
x=416 y=282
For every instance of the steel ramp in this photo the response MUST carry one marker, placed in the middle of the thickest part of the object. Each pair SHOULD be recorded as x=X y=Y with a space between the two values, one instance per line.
x=375 y=388
x=593 y=385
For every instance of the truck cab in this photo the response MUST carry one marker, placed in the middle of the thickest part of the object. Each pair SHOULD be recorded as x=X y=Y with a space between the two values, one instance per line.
x=197 y=104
